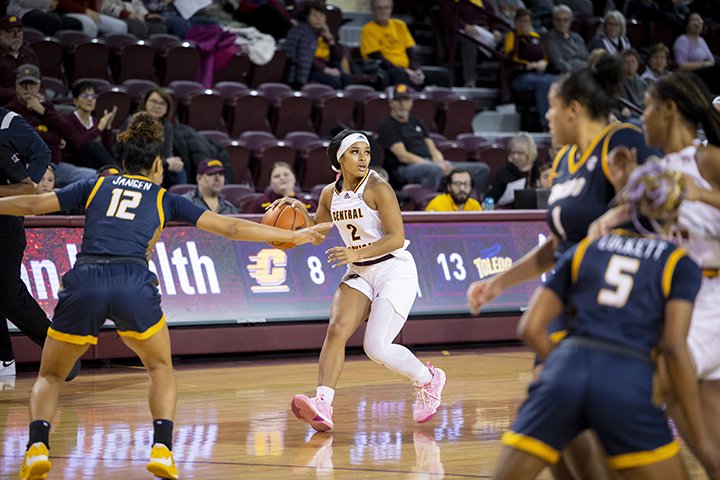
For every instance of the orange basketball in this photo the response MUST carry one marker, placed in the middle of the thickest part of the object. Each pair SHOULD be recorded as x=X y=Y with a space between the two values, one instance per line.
x=284 y=216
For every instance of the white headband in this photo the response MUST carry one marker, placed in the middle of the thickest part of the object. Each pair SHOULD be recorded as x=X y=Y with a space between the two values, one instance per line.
x=349 y=140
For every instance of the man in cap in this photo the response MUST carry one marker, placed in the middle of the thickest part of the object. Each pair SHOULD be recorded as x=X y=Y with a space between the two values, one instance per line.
x=12 y=54
x=211 y=180
x=30 y=103
x=410 y=154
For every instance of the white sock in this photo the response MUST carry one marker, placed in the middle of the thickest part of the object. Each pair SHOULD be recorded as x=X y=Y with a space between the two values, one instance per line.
x=326 y=394
x=425 y=378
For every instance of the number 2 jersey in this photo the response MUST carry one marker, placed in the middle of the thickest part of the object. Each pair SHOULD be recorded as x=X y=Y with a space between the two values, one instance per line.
x=616 y=287
x=580 y=189
x=125 y=214
x=358 y=224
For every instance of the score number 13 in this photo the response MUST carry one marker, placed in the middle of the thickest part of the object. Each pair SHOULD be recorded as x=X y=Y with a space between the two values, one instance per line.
x=454 y=261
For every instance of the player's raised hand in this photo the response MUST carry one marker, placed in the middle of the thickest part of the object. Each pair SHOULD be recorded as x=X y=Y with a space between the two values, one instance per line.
x=480 y=293
x=285 y=200
x=342 y=256
x=315 y=234
x=621 y=161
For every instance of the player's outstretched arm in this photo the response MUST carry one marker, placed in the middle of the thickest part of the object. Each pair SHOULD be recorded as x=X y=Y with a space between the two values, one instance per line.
x=536 y=262
x=545 y=305
x=30 y=204
x=238 y=229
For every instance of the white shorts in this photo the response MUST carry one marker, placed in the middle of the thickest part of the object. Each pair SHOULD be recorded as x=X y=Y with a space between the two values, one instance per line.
x=704 y=335
x=395 y=279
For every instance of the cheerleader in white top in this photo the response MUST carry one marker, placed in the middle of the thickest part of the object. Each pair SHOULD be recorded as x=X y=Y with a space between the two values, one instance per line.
x=674 y=107
x=380 y=284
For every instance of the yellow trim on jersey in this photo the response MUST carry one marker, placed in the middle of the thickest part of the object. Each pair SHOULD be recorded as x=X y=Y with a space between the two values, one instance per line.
x=139 y=177
x=93 y=192
x=642 y=459
x=606 y=144
x=578 y=258
x=146 y=334
x=158 y=231
x=367 y=173
x=70 y=338
x=669 y=269
x=557 y=337
x=574 y=167
x=556 y=163
x=530 y=445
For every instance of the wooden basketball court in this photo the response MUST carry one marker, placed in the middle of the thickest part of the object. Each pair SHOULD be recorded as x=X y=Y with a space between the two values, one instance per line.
x=234 y=421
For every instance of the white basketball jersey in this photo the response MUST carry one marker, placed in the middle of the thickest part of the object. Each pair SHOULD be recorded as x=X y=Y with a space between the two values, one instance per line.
x=700 y=220
x=358 y=224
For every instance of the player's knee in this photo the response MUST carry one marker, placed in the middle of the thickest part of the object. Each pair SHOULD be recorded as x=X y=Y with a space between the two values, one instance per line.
x=375 y=351
x=338 y=331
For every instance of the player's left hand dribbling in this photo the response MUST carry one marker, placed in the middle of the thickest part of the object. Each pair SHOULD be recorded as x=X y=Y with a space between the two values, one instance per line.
x=341 y=256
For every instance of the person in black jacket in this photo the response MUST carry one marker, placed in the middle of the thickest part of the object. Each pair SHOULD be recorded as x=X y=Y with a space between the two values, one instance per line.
x=24 y=159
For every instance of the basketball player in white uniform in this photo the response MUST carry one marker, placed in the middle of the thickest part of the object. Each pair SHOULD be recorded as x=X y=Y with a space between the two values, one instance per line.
x=380 y=284
x=674 y=106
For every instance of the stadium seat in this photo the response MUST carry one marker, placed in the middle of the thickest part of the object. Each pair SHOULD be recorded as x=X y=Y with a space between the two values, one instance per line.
x=254 y=139
x=132 y=60
x=239 y=156
x=136 y=89
x=50 y=56
x=54 y=89
x=264 y=158
x=495 y=157
x=332 y=111
x=113 y=97
x=236 y=193
x=472 y=145
x=31 y=35
x=418 y=194
x=182 y=188
x=272 y=71
x=374 y=109
x=237 y=70
x=217 y=136
x=290 y=111
x=229 y=89
x=247 y=112
x=453 y=152
x=315 y=91
x=203 y=110
x=298 y=140
x=424 y=109
x=174 y=59
x=86 y=59
x=455 y=112
x=100 y=83
x=313 y=166
x=248 y=202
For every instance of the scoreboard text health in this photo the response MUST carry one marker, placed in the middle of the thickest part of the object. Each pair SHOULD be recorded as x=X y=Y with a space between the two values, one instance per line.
x=208 y=279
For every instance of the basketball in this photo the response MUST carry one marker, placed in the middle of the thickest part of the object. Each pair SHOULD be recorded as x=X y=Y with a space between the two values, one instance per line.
x=288 y=217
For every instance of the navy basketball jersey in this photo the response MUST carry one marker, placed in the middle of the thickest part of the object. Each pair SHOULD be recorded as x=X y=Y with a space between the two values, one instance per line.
x=580 y=189
x=618 y=285
x=125 y=214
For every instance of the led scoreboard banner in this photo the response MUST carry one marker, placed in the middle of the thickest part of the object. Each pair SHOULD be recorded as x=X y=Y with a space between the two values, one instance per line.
x=205 y=279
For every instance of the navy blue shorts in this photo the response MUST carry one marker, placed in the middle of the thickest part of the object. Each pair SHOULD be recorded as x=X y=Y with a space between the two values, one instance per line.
x=126 y=293
x=582 y=387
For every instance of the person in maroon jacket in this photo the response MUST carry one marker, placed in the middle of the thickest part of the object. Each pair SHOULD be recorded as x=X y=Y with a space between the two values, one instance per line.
x=467 y=15
x=12 y=54
x=81 y=130
x=42 y=116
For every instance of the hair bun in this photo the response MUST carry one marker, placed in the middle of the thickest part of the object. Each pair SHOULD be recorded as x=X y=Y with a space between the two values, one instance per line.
x=609 y=72
x=143 y=127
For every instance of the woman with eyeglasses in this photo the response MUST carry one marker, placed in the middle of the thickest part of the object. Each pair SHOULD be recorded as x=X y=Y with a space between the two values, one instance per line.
x=611 y=34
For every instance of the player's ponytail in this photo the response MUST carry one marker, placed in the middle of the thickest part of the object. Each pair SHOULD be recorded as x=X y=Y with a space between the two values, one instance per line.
x=654 y=195
x=595 y=87
x=693 y=100
x=140 y=143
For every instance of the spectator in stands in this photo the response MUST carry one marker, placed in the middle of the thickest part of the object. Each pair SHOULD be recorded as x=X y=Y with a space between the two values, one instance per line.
x=582 y=7
x=410 y=154
x=42 y=15
x=268 y=16
x=477 y=19
x=82 y=130
x=13 y=54
x=565 y=49
x=210 y=182
x=43 y=117
x=313 y=53
x=542 y=12
x=676 y=12
x=458 y=185
x=506 y=10
x=140 y=22
x=282 y=184
x=691 y=50
x=158 y=103
x=47 y=184
x=88 y=13
x=632 y=88
x=611 y=34
x=657 y=64
x=529 y=62
x=515 y=174
x=389 y=41
x=540 y=177
x=175 y=23
x=643 y=10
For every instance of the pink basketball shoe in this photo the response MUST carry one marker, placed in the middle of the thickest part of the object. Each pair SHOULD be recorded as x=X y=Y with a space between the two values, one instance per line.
x=429 y=396
x=313 y=411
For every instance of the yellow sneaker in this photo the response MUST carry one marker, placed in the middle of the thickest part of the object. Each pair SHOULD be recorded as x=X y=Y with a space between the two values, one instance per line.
x=35 y=465
x=161 y=463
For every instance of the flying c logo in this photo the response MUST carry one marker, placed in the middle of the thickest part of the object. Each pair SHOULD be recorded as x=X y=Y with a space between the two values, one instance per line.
x=268 y=270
